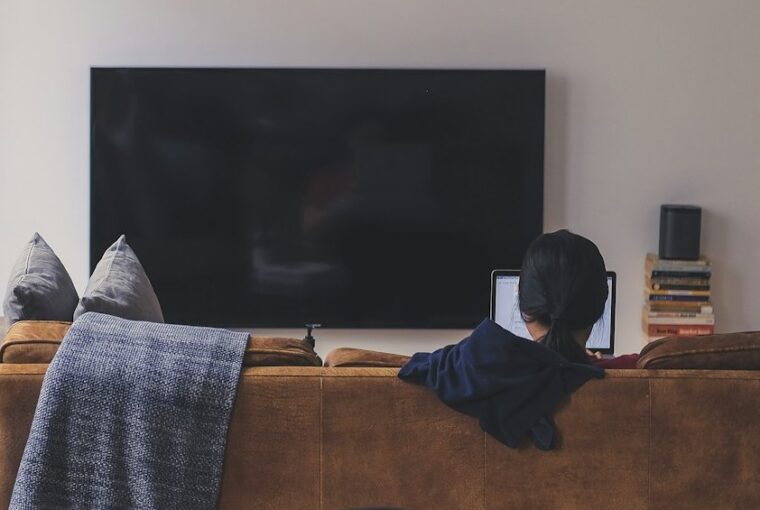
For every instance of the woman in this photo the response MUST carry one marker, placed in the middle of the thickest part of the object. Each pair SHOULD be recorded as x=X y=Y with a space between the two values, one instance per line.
x=511 y=384
x=562 y=293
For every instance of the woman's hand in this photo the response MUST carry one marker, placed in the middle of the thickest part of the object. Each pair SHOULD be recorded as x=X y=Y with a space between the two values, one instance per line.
x=597 y=355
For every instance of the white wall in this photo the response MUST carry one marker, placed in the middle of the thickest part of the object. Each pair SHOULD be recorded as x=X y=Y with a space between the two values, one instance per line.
x=647 y=102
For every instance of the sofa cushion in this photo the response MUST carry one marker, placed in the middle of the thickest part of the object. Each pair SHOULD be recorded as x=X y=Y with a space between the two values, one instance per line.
x=38 y=341
x=120 y=287
x=39 y=286
x=266 y=351
x=728 y=351
x=32 y=341
x=350 y=357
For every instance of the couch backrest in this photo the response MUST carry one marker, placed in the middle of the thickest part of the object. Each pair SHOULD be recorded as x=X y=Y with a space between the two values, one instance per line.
x=38 y=341
x=337 y=438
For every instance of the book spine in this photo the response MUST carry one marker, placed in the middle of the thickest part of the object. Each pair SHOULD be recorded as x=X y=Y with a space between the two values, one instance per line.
x=671 y=286
x=681 y=269
x=675 y=306
x=678 y=280
x=675 y=280
x=653 y=258
x=672 y=292
x=656 y=273
x=681 y=321
x=677 y=329
x=659 y=297
x=677 y=315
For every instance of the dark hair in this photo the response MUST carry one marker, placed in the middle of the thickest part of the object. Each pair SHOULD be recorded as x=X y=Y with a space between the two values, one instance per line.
x=563 y=285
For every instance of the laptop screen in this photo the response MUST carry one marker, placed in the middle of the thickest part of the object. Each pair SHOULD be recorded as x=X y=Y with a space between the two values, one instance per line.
x=506 y=313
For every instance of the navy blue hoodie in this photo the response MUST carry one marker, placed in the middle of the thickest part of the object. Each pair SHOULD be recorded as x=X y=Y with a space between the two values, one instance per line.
x=512 y=385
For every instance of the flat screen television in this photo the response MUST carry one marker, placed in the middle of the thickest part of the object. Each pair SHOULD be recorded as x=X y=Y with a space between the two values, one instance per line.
x=356 y=198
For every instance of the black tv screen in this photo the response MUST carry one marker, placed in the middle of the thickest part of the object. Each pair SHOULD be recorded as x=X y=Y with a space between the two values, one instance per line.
x=362 y=198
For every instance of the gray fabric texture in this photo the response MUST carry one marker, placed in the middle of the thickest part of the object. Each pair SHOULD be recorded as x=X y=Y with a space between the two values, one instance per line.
x=120 y=287
x=132 y=415
x=39 y=287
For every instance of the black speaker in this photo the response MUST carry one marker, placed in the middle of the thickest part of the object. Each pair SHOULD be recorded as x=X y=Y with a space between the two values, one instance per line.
x=680 y=227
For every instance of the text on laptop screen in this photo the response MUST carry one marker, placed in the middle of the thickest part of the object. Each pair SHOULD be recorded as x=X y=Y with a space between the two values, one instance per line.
x=507 y=313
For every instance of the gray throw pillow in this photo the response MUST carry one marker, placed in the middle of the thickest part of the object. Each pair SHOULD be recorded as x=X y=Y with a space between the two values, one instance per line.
x=39 y=288
x=120 y=287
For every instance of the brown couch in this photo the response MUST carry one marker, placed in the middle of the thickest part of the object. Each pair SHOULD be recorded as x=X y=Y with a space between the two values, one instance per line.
x=336 y=438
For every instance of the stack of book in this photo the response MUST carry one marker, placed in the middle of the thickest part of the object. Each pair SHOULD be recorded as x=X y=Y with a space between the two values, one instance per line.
x=677 y=297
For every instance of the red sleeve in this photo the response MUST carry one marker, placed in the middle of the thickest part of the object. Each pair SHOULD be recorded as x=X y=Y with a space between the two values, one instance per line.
x=624 y=361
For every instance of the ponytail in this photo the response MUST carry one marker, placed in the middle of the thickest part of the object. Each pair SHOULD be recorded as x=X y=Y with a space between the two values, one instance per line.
x=559 y=338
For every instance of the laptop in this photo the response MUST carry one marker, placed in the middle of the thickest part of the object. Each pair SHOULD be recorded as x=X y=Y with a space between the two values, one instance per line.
x=506 y=313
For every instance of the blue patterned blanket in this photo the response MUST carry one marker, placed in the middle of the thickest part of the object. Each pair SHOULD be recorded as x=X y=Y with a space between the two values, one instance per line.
x=132 y=415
